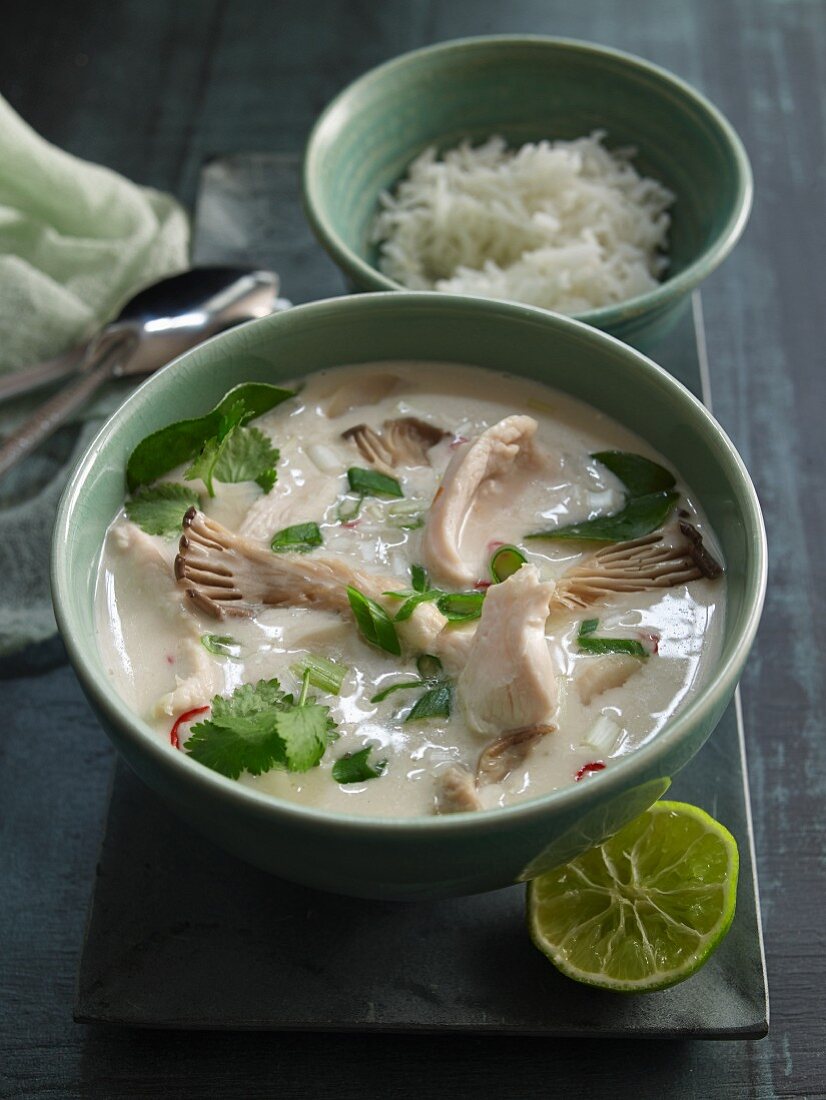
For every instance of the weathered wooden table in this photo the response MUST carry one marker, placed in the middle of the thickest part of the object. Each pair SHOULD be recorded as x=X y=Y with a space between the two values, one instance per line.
x=151 y=88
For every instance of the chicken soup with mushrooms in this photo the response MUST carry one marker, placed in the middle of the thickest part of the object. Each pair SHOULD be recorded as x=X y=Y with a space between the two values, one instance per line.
x=406 y=588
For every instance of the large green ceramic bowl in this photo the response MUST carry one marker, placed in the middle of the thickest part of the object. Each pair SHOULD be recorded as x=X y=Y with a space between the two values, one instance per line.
x=430 y=856
x=528 y=88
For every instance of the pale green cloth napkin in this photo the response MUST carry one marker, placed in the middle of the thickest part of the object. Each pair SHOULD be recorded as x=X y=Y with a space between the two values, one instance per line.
x=76 y=241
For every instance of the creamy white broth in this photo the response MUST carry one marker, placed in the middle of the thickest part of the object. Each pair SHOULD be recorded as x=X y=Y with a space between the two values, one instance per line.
x=149 y=634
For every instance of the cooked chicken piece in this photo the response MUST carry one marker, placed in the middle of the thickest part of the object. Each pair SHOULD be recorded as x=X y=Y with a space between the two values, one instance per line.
x=299 y=496
x=368 y=390
x=639 y=566
x=602 y=674
x=456 y=791
x=404 y=441
x=508 y=682
x=201 y=678
x=477 y=467
x=225 y=574
x=504 y=754
x=146 y=552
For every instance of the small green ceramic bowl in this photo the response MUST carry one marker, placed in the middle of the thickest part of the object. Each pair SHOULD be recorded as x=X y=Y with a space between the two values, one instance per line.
x=432 y=856
x=525 y=89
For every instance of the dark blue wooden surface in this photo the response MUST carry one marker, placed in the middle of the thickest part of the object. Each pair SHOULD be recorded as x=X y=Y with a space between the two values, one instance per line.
x=150 y=88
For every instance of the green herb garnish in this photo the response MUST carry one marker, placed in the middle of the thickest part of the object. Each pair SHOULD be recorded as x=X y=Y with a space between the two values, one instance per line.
x=435 y=703
x=354 y=768
x=370 y=483
x=650 y=501
x=258 y=728
x=403 y=685
x=406 y=515
x=160 y=510
x=322 y=673
x=235 y=454
x=461 y=607
x=420 y=592
x=182 y=441
x=639 y=475
x=587 y=643
x=299 y=539
x=436 y=700
x=345 y=514
x=640 y=516
x=374 y=624
x=505 y=562
x=221 y=645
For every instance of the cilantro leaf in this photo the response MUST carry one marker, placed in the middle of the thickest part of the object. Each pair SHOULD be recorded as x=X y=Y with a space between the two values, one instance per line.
x=182 y=441
x=247 y=455
x=235 y=454
x=258 y=728
x=160 y=510
x=354 y=768
x=303 y=731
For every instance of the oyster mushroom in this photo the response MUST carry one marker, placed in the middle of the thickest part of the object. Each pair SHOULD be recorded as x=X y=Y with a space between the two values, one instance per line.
x=641 y=565
x=456 y=791
x=225 y=574
x=500 y=757
x=404 y=441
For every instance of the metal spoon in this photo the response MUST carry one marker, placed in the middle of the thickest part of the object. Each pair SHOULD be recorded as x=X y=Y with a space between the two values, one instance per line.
x=158 y=324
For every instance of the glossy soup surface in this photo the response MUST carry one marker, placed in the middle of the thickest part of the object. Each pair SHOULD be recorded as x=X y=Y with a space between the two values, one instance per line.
x=150 y=635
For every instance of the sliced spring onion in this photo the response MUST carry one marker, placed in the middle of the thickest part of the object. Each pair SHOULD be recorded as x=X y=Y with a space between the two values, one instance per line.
x=412 y=602
x=324 y=674
x=349 y=509
x=353 y=767
x=603 y=735
x=374 y=624
x=407 y=515
x=222 y=645
x=589 y=644
x=403 y=685
x=370 y=483
x=299 y=539
x=430 y=667
x=461 y=607
x=505 y=562
x=419 y=578
x=435 y=703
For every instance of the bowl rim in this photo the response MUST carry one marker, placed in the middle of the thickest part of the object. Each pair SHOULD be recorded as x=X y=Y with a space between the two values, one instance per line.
x=635 y=767
x=661 y=296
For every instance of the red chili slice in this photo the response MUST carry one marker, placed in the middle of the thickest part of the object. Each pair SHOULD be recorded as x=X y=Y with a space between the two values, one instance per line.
x=187 y=716
x=591 y=766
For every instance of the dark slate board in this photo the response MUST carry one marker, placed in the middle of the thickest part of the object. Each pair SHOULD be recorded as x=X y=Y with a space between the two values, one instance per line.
x=181 y=935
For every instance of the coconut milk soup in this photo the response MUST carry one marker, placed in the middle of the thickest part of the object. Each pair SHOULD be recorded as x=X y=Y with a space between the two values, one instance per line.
x=429 y=655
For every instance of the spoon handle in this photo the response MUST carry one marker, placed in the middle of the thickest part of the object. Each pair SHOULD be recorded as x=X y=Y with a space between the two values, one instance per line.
x=54 y=412
x=24 y=381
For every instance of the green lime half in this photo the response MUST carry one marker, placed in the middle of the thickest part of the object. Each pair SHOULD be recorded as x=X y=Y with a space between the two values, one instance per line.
x=645 y=909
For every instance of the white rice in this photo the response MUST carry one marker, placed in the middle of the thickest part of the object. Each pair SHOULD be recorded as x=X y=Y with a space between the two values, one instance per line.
x=566 y=225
